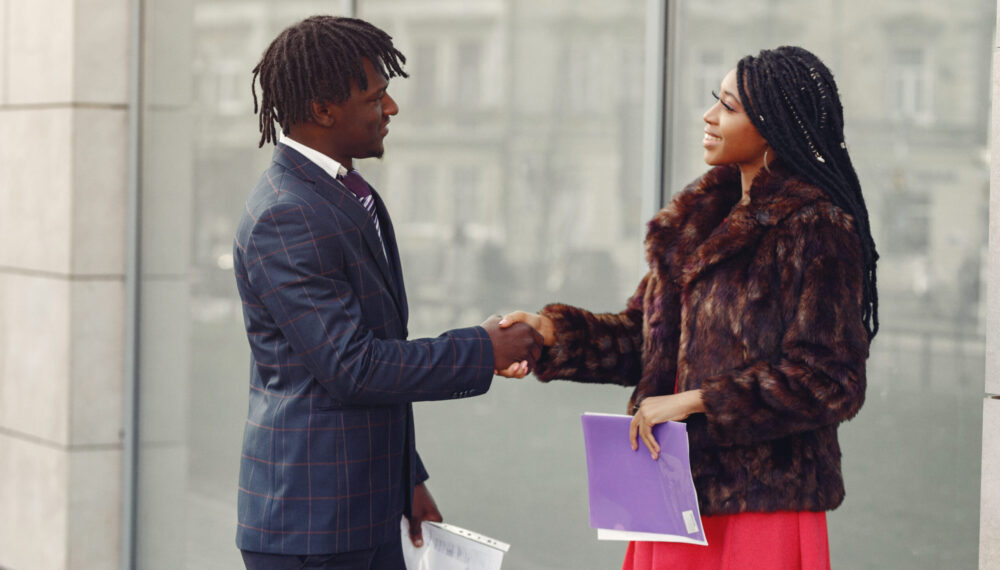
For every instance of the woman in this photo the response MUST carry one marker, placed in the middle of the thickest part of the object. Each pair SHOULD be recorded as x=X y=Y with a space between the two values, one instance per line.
x=752 y=324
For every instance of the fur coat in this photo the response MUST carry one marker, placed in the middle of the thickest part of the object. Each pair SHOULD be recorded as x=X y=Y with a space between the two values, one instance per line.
x=757 y=305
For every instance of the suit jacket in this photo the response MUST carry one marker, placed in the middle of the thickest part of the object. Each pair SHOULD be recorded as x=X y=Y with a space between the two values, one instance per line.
x=329 y=461
x=758 y=306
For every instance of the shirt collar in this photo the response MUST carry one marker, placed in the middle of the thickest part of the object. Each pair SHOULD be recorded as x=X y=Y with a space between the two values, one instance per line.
x=331 y=166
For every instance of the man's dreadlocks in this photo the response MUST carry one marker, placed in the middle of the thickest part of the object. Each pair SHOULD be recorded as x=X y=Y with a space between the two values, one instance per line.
x=316 y=60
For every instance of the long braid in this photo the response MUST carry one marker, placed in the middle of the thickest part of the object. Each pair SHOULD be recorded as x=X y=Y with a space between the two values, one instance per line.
x=792 y=100
x=317 y=60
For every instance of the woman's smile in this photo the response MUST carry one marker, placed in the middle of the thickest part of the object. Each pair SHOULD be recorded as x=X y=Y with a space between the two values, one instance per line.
x=710 y=140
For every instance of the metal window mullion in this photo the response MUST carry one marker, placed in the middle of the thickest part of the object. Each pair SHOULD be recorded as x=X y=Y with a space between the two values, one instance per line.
x=656 y=107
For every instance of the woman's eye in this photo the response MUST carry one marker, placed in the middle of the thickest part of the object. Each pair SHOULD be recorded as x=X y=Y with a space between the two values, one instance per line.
x=724 y=104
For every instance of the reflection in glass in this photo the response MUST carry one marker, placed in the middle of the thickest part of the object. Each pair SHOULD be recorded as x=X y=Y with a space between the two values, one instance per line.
x=512 y=174
x=913 y=79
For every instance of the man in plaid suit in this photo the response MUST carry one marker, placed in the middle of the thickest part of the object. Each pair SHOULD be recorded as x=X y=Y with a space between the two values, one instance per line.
x=329 y=465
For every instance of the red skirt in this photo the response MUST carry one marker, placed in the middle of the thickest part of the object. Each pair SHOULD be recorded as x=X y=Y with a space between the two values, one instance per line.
x=746 y=541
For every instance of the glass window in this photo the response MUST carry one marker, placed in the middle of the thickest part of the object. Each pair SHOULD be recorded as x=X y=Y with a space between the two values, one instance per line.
x=468 y=92
x=199 y=161
x=498 y=204
x=910 y=88
x=466 y=190
x=911 y=457
x=424 y=73
x=710 y=65
x=907 y=231
x=513 y=176
x=534 y=198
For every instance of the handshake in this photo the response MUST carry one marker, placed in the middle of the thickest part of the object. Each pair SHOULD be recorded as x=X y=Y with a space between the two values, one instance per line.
x=518 y=339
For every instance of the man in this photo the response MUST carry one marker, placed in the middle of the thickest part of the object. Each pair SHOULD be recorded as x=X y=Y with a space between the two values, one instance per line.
x=329 y=465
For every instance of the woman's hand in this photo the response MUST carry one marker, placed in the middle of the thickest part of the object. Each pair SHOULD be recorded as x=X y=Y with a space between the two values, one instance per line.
x=658 y=409
x=515 y=370
x=540 y=323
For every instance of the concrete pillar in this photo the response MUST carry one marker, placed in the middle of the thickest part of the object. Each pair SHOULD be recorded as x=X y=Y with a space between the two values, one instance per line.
x=63 y=144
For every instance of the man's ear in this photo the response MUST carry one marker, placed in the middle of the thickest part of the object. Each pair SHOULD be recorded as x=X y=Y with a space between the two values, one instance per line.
x=325 y=113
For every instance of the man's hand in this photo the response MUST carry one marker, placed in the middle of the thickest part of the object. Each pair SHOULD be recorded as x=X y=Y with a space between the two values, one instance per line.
x=424 y=509
x=514 y=344
x=542 y=324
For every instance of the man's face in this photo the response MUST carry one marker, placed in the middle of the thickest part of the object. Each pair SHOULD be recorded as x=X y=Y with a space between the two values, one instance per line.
x=364 y=118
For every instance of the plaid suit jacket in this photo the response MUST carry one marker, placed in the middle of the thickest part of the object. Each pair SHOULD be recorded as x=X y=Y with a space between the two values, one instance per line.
x=328 y=461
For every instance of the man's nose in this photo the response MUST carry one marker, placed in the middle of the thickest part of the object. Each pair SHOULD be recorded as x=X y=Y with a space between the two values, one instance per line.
x=389 y=106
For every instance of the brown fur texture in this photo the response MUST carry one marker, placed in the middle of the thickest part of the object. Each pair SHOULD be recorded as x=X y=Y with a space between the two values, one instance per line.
x=757 y=305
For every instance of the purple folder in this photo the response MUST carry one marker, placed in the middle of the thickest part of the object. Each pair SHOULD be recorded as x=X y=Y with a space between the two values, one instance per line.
x=630 y=491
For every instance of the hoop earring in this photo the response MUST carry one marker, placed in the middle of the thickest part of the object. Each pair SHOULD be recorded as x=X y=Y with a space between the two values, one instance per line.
x=765 y=162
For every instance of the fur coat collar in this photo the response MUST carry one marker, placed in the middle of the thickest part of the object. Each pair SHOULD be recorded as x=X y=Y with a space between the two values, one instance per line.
x=686 y=239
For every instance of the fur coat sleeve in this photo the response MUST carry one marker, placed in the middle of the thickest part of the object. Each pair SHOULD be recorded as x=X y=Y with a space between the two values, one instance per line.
x=596 y=348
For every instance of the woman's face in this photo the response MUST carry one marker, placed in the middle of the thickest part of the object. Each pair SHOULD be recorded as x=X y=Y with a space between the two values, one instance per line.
x=730 y=137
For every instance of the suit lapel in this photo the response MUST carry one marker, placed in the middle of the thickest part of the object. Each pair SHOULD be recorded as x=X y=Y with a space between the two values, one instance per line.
x=345 y=201
x=392 y=250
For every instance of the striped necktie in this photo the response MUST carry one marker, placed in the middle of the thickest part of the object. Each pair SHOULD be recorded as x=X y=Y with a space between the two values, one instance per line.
x=355 y=183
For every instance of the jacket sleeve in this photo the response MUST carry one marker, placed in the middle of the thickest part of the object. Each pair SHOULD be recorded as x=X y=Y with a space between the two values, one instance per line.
x=422 y=474
x=295 y=264
x=596 y=348
x=819 y=378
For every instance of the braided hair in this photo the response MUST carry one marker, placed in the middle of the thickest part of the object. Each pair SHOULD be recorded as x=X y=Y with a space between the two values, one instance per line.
x=316 y=60
x=790 y=96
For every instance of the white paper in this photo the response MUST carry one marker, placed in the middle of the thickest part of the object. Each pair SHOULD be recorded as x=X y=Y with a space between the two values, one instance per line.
x=448 y=547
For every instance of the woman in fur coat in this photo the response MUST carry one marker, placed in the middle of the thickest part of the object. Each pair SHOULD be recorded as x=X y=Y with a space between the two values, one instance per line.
x=752 y=324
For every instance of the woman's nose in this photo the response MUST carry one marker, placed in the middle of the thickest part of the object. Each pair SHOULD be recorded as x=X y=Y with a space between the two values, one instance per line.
x=709 y=116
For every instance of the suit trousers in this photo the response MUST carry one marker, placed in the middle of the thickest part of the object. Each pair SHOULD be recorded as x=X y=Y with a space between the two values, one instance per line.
x=388 y=556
